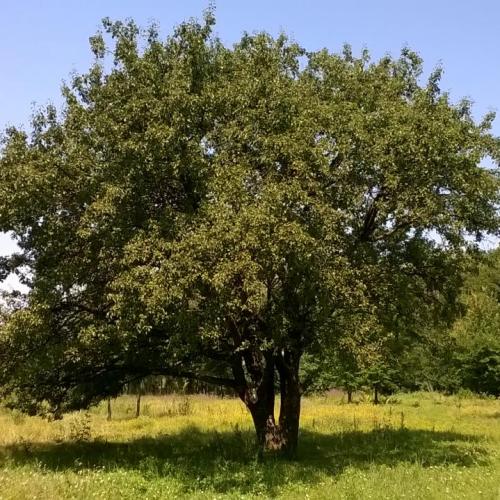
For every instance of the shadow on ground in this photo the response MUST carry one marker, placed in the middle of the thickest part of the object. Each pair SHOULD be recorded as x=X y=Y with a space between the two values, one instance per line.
x=226 y=461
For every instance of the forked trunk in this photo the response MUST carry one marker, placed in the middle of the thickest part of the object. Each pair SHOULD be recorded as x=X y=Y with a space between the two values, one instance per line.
x=272 y=436
x=267 y=432
x=260 y=401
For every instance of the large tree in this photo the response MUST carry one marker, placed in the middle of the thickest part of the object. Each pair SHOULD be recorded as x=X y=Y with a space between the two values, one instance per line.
x=214 y=213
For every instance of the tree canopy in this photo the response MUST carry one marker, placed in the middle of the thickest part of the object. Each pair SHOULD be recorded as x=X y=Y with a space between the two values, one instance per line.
x=215 y=212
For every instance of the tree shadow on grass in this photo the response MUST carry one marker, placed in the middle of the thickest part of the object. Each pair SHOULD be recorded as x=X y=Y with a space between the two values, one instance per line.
x=225 y=462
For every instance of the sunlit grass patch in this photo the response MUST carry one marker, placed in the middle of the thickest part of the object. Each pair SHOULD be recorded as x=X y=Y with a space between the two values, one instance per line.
x=203 y=447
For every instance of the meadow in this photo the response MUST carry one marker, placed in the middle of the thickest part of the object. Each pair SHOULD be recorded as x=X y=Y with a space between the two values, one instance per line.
x=417 y=446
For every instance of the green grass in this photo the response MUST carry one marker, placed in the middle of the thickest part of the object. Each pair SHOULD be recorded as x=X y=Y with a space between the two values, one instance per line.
x=415 y=446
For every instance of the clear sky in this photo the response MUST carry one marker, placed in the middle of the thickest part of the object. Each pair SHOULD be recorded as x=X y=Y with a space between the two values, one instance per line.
x=43 y=41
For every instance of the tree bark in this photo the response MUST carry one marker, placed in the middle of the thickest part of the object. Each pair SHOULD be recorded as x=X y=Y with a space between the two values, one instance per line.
x=260 y=400
x=267 y=432
x=288 y=369
x=259 y=397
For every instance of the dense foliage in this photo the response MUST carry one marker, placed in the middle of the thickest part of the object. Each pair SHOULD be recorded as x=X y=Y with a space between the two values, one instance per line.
x=215 y=213
x=465 y=355
x=477 y=332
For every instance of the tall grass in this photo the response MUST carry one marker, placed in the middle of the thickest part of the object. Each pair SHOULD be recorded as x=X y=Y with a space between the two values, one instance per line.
x=422 y=445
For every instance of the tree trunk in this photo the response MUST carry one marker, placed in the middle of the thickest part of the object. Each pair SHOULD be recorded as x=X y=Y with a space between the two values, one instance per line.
x=267 y=432
x=260 y=402
x=288 y=368
x=260 y=398
x=375 y=395
x=138 y=404
x=109 y=409
x=349 y=396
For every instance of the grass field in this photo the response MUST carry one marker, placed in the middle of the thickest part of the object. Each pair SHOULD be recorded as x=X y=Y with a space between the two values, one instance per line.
x=422 y=445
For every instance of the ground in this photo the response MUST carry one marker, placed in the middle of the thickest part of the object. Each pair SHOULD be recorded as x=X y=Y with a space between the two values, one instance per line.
x=416 y=446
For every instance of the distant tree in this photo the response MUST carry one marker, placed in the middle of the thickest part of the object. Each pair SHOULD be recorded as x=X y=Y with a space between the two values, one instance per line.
x=109 y=410
x=428 y=362
x=380 y=378
x=316 y=373
x=477 y=332
x=350 y=380
x=214 y=213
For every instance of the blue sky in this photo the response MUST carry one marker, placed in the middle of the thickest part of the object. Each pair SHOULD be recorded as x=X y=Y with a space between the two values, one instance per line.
x=42 y=42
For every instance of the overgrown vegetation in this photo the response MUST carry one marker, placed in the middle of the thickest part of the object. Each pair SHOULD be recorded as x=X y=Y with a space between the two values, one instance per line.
x=421 y=445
